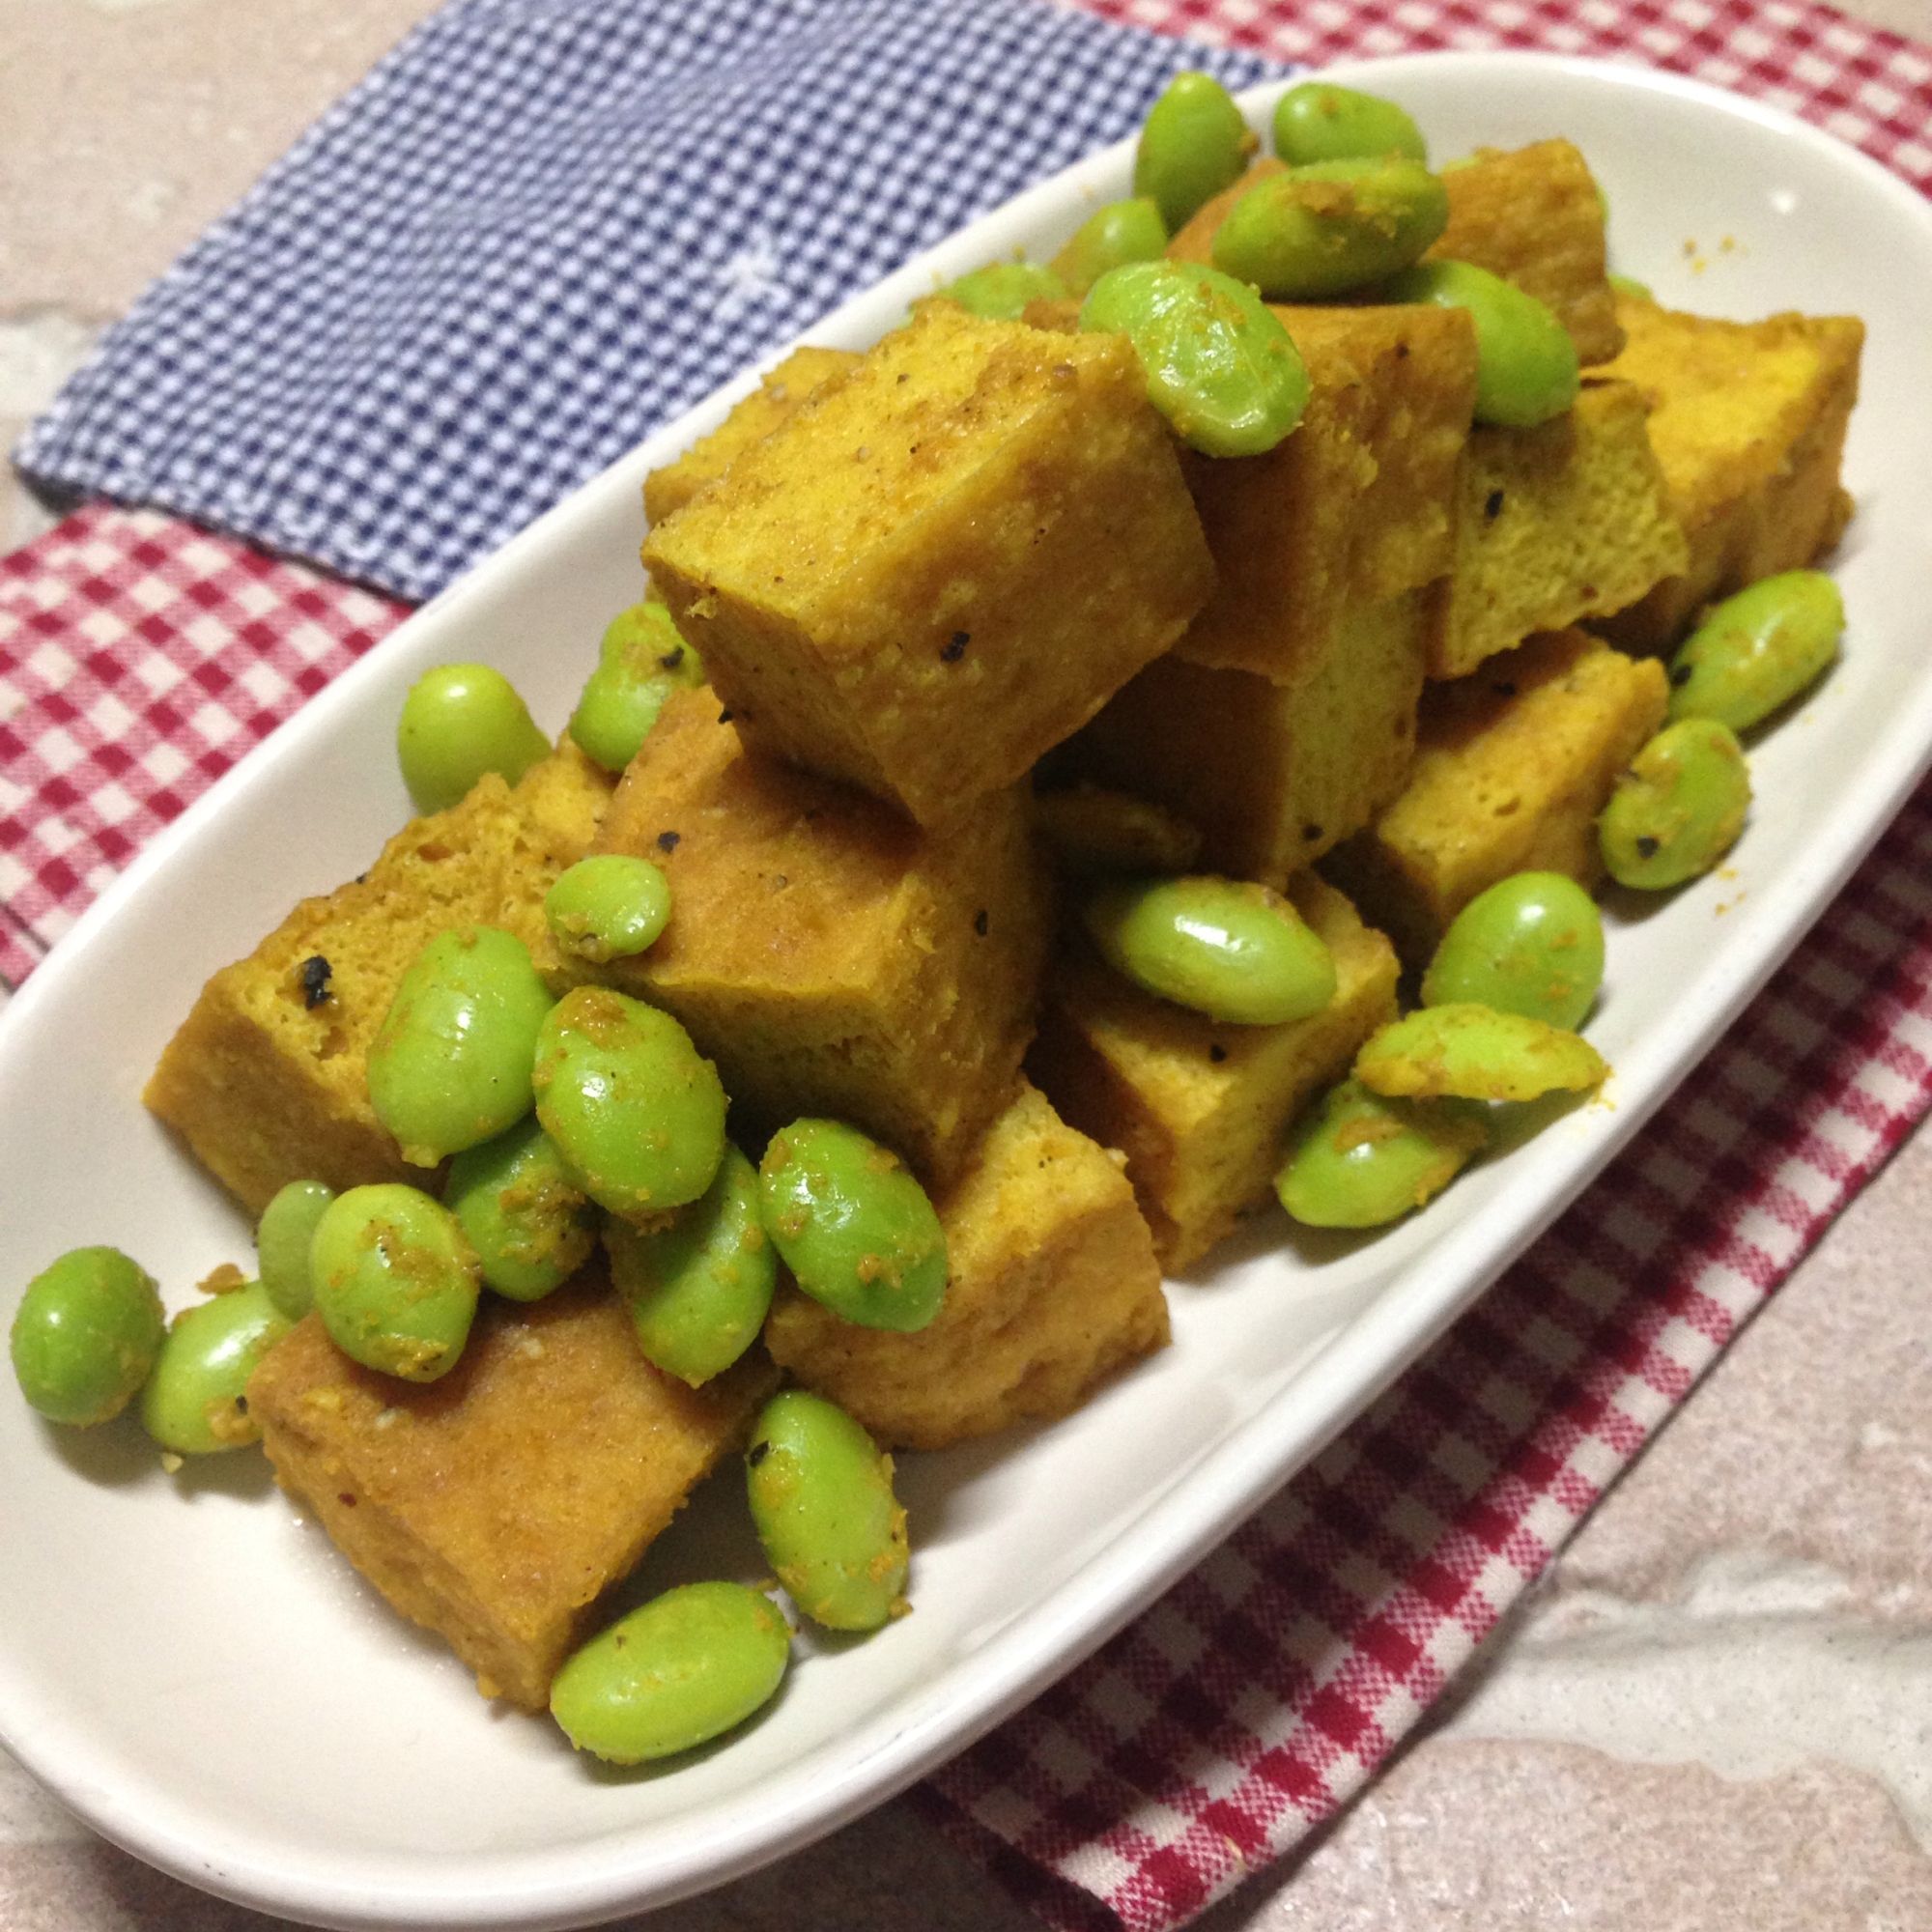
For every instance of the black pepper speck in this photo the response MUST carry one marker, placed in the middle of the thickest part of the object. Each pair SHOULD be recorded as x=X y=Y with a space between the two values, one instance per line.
x=668 y=841
x=315 y=971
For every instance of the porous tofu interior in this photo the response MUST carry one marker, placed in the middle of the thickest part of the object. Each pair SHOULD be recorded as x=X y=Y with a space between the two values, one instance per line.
x=1053 y=1285
x=495 y=1505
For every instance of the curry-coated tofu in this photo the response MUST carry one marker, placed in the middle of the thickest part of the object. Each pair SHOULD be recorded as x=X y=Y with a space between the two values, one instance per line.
x=495 y=1505
x=946 y=564
x=1569 y=520
x=1512 y=767
x=1748 y=419
x=267 y=1079
x=785 y=389
x=1273 y=775
x=1052 y=1285
x=828 y=955
x=1199 y=1107
x=1534 y=217
x=1351 y=509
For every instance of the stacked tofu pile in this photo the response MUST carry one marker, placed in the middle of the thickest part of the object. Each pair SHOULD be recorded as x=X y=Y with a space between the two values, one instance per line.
x=943 y=591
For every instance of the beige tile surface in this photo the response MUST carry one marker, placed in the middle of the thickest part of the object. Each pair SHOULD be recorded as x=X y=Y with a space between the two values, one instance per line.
x=1717 y=1714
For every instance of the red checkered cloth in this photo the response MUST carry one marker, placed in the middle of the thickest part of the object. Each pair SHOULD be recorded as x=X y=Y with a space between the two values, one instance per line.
x=139 y=658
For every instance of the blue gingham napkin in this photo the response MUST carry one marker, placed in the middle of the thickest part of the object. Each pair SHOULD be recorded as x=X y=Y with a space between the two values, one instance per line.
x=541 y=228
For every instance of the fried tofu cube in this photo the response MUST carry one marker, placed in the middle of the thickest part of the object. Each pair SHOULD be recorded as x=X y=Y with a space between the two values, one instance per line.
x=495 y=1505
x=1053 y=1286
x=945 y=565
x=1354 y=507
x=1198 y=1106
x=1535 y=216
x=1569 y=520
x=1748 y=419
x=785 y=389
x=829 y=955
x=1511 y=768
x=1273 y=774
x=267 y=1079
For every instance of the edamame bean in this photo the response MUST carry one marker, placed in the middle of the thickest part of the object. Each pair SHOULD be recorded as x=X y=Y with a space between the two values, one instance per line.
x=698 y=1289
x=1220 y=367
x=1364 y=1160
x=1532 y=943
x=451 y=1065
x=821 y=1496
x=1628 y=285
x=196 y=1401
x=637 y=1111
x=282 y=1238
x=458 y=722
x=1000 y=290
x=1318 y=120
x=1757 y=650
x=1477 y=1054
x=1678 y=808
x=531 y=1226
x=1122 y=231
x=1332 y=226
x=1193 y=144
x=677 y=1672
x=1525 y=362
x=640 y=661
x=852 y=1225
x=1226 y=947
x=608 y=907
x=85 y=1336
x=396 y=1280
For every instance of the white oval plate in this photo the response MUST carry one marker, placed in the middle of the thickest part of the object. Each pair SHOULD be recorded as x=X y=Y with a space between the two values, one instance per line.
x=199 y=1675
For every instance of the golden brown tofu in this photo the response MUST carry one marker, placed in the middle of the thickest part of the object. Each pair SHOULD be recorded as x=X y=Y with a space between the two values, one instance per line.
x=784 y=391
x=1354 y=507
x=1569 y=520
x=945 y=565
x=1198 y=1106
x=495 y=1505
x=1535 y=217
x=1512 y=767
x=267 y=1079
x=830 y=957
x=1272 y=773
x=1053 y=1286
x=1748 y=419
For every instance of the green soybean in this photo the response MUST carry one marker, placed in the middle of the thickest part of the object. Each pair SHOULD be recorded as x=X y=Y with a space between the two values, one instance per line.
x=1122 y=231
x=1678 y=808
x=85 y=1336
x=1532 y=943
x=531 y=1226
x=396 y=1280
x=1757 y=650
x=196 y=1400
x=1000 y=290
x=1332 y=226
x=1526 y=361
x=637 y=1112
x=1476 y=1053
x=1363 y=1160
x=1219 y=366
x=451 y=1065
x=1318 y=120
x=1628 y=285
x=608 y=907
x=698 y=1288
x=458 y=722
x=282 y=1237
x=822 y=1500
x=852 y=1225
x=640 y=661
x=1234 y=950
x=1194 y=143
x=677 y=1672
